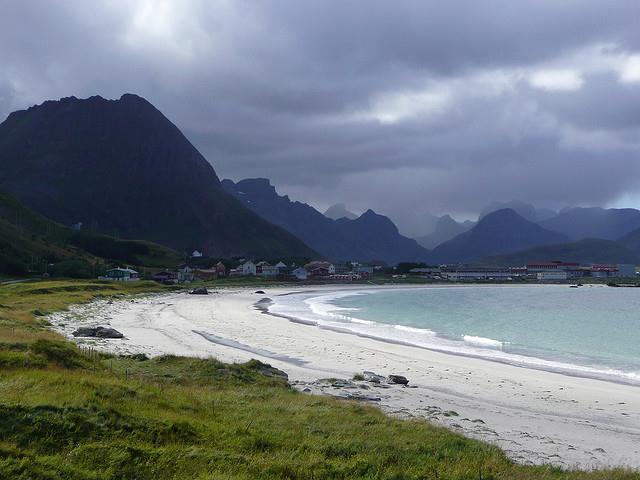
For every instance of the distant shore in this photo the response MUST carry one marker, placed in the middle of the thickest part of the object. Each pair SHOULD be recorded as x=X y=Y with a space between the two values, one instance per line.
x=535 y=416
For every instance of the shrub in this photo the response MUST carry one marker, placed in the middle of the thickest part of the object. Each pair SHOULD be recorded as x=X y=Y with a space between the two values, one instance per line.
x=72 y=268
x=62 y=354
x=12 y=266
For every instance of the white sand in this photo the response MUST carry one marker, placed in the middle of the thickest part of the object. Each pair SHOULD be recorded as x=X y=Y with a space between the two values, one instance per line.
x=535 y=416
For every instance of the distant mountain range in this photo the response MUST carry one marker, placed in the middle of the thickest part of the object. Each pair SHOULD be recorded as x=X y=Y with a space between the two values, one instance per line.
x=590 y=235
x=121 y=167
x=609 y=224
x=368 y=237
x=498 y=232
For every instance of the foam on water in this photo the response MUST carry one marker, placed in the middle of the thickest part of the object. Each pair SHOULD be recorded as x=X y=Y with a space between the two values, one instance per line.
x=386 y=314
x=482 y=342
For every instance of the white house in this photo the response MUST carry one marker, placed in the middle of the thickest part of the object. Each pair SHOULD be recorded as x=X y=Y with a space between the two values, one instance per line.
x=364 y=270
x=281 y=265
x=185 y=274
x=248 y=268
x=300 y=273
x=196 y=254
x=269 y=271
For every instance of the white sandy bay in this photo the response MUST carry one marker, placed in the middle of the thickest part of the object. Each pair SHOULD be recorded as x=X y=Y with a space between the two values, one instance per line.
x=535 y=416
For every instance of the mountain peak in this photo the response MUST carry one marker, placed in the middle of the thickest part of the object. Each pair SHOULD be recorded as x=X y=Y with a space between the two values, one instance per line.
x=339 y=210
x=499 y=232
x=368 y=237
x=131 y=97
x=122 y=166
x=445 y=229
x=525 y=210
x=504 y=214
x=373 y=220
x=260 y=187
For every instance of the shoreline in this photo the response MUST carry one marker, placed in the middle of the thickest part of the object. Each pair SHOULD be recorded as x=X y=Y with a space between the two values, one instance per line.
x=535 y=416
x=518 y=360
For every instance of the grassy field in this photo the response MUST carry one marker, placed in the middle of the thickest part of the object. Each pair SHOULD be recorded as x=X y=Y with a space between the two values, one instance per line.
x=67 y=414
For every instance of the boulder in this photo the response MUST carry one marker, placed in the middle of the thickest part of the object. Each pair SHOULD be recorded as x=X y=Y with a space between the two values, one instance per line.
x=269 y=371
x=363 y=398
x=85 y=332
x=372 y=377
x=108 y=332
x=398 y=379
x=199 y=291
x=99 y=332
x=266 y=369
x=259 y=292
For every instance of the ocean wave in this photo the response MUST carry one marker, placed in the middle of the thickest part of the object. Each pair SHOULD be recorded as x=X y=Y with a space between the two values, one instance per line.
x=482 y=341
x=321 y=305
x=423 y=331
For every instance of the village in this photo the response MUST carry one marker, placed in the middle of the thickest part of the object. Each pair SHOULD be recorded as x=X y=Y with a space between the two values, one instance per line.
x=201 y=268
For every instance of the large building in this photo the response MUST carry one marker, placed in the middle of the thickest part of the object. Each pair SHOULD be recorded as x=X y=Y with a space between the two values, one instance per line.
x=122 y=275
x=537 y=267
x=575 y=270
x=477 y=273
x=552 y=276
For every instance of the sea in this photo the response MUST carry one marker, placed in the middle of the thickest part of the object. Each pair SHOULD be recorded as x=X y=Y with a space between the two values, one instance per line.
x=591 y=331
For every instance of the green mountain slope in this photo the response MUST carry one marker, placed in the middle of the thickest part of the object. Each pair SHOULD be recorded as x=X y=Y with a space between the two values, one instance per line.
x=122 y=168
x=589 y=250
x=30 y=242
x=631 y=241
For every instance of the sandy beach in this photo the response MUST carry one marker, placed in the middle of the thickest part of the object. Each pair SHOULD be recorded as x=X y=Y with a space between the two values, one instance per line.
x=534 y=416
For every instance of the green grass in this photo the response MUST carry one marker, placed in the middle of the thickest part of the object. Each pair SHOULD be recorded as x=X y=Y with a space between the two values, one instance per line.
x=69 y=414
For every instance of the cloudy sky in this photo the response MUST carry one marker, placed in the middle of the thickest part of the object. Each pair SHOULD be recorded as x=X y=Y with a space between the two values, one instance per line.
x=402 y=106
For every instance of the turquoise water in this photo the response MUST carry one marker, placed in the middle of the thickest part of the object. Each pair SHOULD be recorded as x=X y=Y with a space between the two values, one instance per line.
x=592 y=330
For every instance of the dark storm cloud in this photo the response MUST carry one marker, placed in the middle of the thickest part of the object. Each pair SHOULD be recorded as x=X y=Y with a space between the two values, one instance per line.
x=444 y=106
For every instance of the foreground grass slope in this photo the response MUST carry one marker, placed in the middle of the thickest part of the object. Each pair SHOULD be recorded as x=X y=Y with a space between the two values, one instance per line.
x=66 y=414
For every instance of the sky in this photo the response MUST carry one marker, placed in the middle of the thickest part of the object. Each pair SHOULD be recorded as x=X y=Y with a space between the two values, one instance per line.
x=405 y=107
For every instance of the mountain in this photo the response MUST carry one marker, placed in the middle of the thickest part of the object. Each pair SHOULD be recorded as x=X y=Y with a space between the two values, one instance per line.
x=525 y=210
x=446 y=228
x=368 y=237
x=498 y=232
x=589 y=250
x=631 y=241
x=121 y=167
x=334 y=212
x=30 y=242
x=595 y=222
